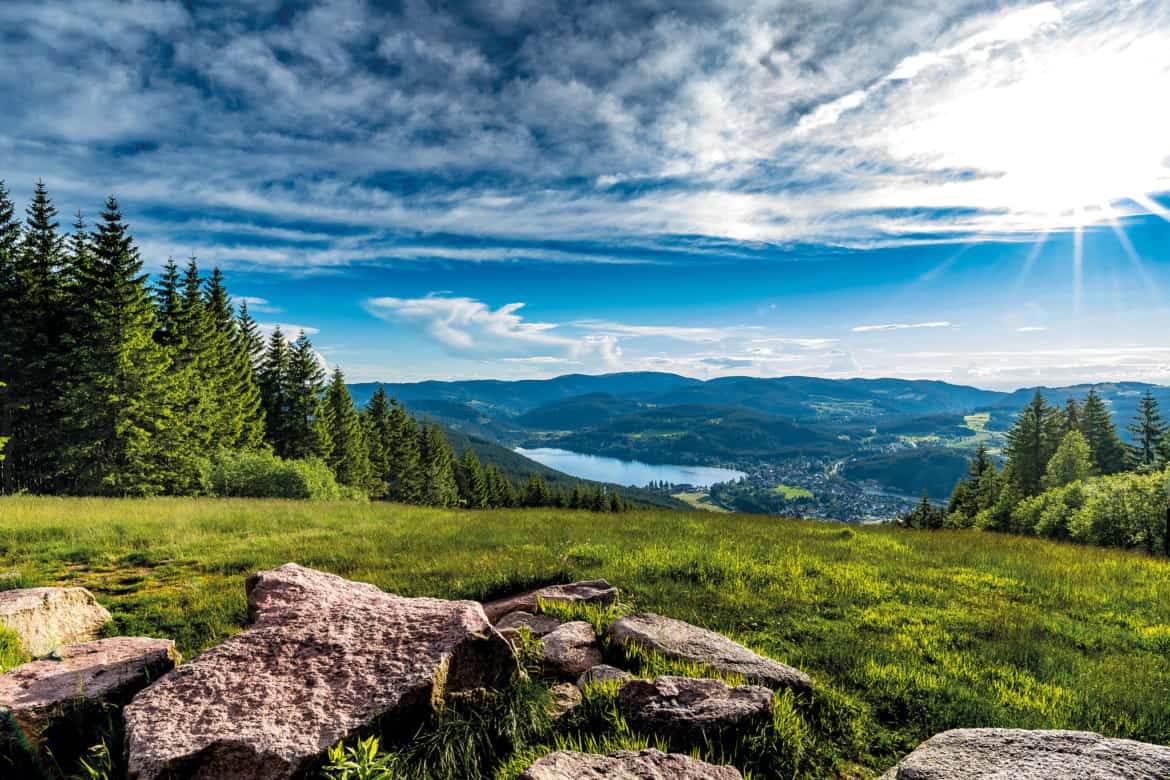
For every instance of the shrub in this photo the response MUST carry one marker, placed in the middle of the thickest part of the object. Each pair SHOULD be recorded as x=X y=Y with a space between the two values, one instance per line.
x=264 y=475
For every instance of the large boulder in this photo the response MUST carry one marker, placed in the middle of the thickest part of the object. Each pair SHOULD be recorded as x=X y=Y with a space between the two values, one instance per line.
x=688 y=711
x=323 y=659
x=570 y=650
x=626 y=765
x=62 y=702
x=678 y=640
x=587 y=592
x=49 y=618
x=970 y=754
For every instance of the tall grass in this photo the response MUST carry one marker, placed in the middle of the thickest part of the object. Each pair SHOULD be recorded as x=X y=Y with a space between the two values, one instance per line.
x=906 y=633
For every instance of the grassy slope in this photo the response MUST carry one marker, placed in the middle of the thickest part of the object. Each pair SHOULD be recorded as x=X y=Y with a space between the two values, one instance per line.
x=919 y=631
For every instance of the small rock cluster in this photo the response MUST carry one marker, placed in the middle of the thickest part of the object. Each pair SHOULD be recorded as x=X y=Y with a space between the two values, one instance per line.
x=325 y=659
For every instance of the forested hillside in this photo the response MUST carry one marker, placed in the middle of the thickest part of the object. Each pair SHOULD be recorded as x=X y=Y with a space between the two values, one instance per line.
x=118 y=386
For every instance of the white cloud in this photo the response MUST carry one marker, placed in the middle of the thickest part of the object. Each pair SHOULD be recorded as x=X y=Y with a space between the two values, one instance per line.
x=469 y=327
x=1031 y=329
x=257 y=304
x=701 y=335
x=289 y=329
x=899 y=326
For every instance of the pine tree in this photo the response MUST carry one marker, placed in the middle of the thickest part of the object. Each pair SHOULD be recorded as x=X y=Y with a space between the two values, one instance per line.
x=119 y=398
x=307 y=435
x=1108 y=453
x=35 y=363
x=377 y=429
x=169 y=305
x=239 y=416
x=1072 y=417
x=438 y=467
x=349 y=458
x=1030 y=443
x=499 y=489
x=472 y=481
x=1148 y=431
x=273 y=380
x=404 y=475
x=249 y=335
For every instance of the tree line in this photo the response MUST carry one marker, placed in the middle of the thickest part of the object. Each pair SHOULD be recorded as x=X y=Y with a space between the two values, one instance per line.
x=114 y=385
x=1067 y=474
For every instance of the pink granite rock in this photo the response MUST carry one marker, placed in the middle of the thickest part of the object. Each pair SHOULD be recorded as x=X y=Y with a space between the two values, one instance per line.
x=587 y=592
x=49 y=618
x=324 y=658
x=626 y=765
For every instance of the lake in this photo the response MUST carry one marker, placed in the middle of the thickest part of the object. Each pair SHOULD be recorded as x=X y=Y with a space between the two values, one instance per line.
x=626 y=472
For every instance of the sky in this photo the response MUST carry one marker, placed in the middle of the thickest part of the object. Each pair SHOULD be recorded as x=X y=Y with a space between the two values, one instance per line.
x=977 y=192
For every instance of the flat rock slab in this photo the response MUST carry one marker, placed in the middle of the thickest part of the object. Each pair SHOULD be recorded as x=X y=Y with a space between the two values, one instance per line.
x=586 y=592
x=324 y=658
x=570 y=650
x=682 y=641
x=46 y=619
x=35 y=696
x=689 y=711
x=971 y=754
x=626 y=765
x=537 y=625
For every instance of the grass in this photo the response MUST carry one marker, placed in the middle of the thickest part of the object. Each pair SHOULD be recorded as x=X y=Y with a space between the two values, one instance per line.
x=700 y=500
x=791 y=493
x=906 y=633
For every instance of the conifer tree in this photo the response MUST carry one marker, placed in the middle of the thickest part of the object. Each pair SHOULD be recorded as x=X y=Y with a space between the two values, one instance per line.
x=471 y=479
x=437 y=462
x=1148 y=431
x=308 y=437
x=1072 y=417
x=404 y=475
x=250 y=338
x=36 y=363
x=377 y=427
x=499 y=489
x=275 y=383
x=349 y=458
x=1030 y=443
x=1105 y=447
x=119 y=397
x=168 y=304
x=239 y=416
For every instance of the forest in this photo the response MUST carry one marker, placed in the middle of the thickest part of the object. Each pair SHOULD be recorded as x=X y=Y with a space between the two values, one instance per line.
x=117 y=386
x=1068 y=475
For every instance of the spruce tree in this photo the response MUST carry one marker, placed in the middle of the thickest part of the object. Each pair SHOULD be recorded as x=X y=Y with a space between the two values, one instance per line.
x=1148 y=431
x=437 y=463
x=472 y=482
x=1105 y=447
x=308 y=437
x=1030 y=443
x=499 y=490
x=404 y=474
x=349 y=459
x=250 y=338
x=168 y=304
x=377 y=429
x=119 y=398
x=273 y=380
x=1072 y=417
x=239 y=416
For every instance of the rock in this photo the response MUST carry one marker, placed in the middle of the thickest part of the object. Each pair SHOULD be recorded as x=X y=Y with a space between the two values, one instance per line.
x=689 y=711
x=626 y=765
x=970 y=754
x=537 y=625
x=603 y=673
x=570 y=650
x=588 y=592
x=681 y=641
x=50 y=618
x=565 y=699
x=323 y=659
x=63 y=701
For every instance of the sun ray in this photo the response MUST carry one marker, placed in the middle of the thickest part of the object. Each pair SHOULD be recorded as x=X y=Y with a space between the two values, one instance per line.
x=1135 y=259
x=1151 y=205
x=1037 y=246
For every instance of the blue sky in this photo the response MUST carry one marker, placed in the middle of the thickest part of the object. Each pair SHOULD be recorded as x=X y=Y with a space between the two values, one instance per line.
x=968 y=191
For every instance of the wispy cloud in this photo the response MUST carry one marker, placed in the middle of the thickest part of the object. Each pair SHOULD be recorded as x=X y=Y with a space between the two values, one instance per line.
x=900 y=326
x=1031 y=329
x=470 y=327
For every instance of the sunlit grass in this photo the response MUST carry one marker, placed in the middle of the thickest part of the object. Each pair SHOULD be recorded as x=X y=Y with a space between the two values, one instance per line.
x=906 y=633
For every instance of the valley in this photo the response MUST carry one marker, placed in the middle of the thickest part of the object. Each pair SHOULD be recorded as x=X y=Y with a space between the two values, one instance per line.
x=865 y=449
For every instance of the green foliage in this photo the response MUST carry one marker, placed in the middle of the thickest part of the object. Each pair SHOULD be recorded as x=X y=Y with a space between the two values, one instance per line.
x=360 y=761
x=1108 y=452
x=1149 y=433
x=265 y=475
x=349 y=458
x=11 y=651
x=1072 y=461
x=1030 y=443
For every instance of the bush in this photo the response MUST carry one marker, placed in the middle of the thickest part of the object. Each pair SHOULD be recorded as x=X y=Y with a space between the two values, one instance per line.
x=1125 y=510
x=264 y=475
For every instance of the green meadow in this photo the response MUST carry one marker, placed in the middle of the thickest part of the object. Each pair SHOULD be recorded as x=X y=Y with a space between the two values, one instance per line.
x=906 y=633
